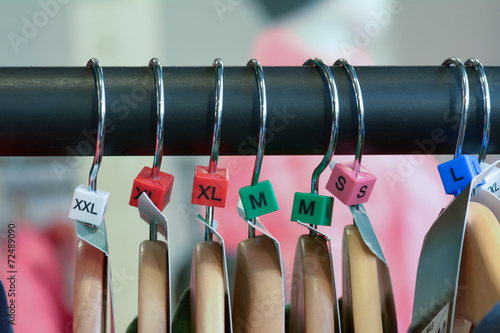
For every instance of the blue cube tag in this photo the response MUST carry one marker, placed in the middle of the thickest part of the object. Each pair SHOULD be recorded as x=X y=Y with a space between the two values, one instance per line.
x=458 y=173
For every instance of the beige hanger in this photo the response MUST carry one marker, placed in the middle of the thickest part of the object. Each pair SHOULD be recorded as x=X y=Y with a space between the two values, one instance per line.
x=258 y=288
x=312 y=306
x=154 y=312
x=207 y=288
x=479 y=281
x=362 y=310
x=89 y=307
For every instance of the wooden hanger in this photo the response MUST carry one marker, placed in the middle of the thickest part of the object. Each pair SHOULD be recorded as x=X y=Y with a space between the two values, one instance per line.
x=207 y=288
x=361 y=301
x=479 y=281
x=258 y=288
x=89 y=307
x=154 y=312
x=312 y=307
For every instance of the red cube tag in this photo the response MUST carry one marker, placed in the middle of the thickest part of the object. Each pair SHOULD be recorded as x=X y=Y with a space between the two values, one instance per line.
x=158 y=190
x=210 y=189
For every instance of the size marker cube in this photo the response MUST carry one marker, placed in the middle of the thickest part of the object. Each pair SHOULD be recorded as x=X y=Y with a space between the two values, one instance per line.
x=458 y=173
x=312 y=209
x=491 y=183
x=258 y=200
x=88 y=206
x=350 y=186
x=210 y=189
x=158 y=190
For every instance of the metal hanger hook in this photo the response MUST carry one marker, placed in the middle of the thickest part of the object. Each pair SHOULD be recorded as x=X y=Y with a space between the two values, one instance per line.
x=259 y=73
x=101 y=109
x=465 y=101
x=332 y=90
x=361 y=110
x=212 y=168
x=160 y=116
x=219 y=94
x=479 y=70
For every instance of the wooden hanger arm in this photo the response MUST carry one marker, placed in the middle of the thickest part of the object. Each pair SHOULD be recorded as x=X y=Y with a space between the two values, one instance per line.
x=154 y=312
x=258 y=288
x=361 y=297
x=89 y=306
x=312 y=307
x=207 y=288
x=479 y=281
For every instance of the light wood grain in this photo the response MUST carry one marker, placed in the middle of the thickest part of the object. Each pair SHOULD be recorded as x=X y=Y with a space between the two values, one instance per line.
x=258 y=291
x=89 y=307
x=207 y=288
x=154 y=315
x=362 y=312
x=312 y=306
x=479 y=281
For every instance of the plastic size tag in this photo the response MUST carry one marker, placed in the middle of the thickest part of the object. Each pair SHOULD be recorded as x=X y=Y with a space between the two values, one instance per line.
x=349 y=186
x=258 y=200
x=219 y=239
x=457 y=173
x=312 y=208
x=488 y=194
x=148 y=211
x=439 y=264
x=492 y=182
x=88 y=206
x=159 y=190
x=210 y=189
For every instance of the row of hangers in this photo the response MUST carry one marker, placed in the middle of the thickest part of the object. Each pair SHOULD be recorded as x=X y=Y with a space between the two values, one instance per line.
x=367 y=302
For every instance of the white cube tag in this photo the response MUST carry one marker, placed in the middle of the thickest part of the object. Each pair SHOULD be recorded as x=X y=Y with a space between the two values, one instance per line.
x=87 y=206
x=492 y=182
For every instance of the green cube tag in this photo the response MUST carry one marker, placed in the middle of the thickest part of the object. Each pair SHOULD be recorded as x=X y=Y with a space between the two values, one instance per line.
x=312 y=209
x=258 y=200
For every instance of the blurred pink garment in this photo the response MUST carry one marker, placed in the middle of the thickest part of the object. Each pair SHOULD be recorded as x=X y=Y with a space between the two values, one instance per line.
x=42 y=302
x=281 y=47
x=406 y=199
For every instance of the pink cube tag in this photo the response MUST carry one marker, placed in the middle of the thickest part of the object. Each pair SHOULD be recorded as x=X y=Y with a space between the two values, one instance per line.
x=349 y=186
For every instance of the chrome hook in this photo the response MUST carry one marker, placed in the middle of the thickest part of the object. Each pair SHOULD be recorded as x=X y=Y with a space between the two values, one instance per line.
x=361 y=110
x=160 y=127
x=479 y=69
x=101 y=108
x=465 y=101
x=332 y=89
x=214 y=157
x=259 y=74
x=160 y=113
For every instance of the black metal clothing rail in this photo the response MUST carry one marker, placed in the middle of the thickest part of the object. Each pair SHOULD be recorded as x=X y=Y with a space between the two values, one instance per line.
x=52 y=111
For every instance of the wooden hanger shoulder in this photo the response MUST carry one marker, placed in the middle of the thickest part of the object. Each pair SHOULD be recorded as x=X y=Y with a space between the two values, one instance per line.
x=89 y=307
x=361 y=296
x=311 y=298
x=479 y=282
x=258 y=288
x=153 y=288
x=207 y=288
